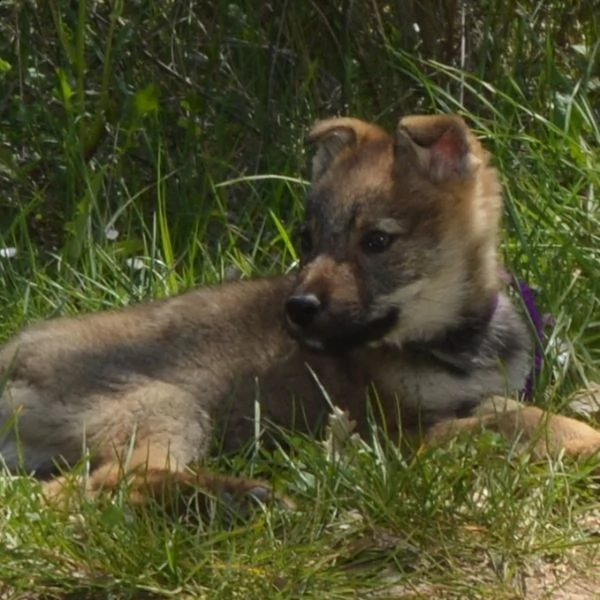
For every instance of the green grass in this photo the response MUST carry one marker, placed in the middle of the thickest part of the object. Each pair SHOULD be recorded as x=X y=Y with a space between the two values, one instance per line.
x=180 y=126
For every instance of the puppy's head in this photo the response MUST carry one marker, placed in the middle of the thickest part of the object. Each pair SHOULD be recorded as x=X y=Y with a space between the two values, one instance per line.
x=399 y=241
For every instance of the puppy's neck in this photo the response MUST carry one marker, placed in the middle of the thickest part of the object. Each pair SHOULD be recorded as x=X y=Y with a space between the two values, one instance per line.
x=494 y=341
x=458 y=346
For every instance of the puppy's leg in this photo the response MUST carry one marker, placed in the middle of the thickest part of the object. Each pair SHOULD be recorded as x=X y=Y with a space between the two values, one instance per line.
x=41 y=428
x=545 y=434
x=149 y=473
x=146 y=434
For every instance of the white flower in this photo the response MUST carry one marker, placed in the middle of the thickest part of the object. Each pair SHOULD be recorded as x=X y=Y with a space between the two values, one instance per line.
x=135 y=263
x=8 y=252
x=111 y=234
x=564 y=354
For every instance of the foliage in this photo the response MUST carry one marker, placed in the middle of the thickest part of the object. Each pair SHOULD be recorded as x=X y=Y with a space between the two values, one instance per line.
x=149 y=146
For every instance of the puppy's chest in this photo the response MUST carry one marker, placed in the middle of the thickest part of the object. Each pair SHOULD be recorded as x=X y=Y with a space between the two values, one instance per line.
x=423 y=387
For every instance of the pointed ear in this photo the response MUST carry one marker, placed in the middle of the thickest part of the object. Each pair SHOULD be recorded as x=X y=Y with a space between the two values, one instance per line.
x=443 y=145
x=332 y=136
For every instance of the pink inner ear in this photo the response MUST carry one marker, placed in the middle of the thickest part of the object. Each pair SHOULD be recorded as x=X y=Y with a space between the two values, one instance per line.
x=446 y=153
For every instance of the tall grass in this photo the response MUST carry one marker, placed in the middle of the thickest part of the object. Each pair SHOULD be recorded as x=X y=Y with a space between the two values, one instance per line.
x=149 y=147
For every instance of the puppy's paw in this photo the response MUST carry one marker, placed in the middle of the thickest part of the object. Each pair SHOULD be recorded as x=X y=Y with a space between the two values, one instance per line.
x=61 y=493
x=182 y=492
x=242 y=495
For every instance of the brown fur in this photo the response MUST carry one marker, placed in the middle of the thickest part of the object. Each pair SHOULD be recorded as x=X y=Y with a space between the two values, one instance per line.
x=398 y=291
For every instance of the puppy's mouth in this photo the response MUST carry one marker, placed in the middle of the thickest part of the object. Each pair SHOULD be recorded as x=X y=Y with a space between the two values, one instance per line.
x=339 y=337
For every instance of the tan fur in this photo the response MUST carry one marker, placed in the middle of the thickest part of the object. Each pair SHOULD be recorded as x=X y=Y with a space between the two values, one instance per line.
x=539 y=432
x=399 y=269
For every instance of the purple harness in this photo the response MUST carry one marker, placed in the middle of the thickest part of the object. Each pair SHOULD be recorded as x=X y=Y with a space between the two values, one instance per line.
x=538 y=321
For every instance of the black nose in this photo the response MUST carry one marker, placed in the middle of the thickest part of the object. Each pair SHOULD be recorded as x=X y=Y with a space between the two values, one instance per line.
x=302 y=309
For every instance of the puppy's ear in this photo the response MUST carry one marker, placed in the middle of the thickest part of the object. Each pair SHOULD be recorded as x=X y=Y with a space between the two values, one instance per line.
x=442 y=146
x=333 y=136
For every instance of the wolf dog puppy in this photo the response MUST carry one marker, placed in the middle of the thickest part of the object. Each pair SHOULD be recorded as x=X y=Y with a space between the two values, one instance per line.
x=398 y=291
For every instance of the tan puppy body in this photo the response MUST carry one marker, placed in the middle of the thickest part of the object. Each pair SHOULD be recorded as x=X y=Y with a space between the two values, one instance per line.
x=532 y=429
x=398 y=291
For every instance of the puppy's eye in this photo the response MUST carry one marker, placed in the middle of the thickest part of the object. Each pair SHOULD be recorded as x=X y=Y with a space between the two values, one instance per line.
x=306 y=241
x=376 y=241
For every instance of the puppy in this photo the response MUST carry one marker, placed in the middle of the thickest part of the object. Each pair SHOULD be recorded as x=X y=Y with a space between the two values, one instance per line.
x=397 y=301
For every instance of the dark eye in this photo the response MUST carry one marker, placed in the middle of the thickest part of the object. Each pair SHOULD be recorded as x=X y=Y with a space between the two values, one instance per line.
x=376 y=241
x=306 y=242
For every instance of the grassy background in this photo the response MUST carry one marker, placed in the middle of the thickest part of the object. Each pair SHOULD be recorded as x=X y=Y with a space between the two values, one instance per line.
x=177 y=128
